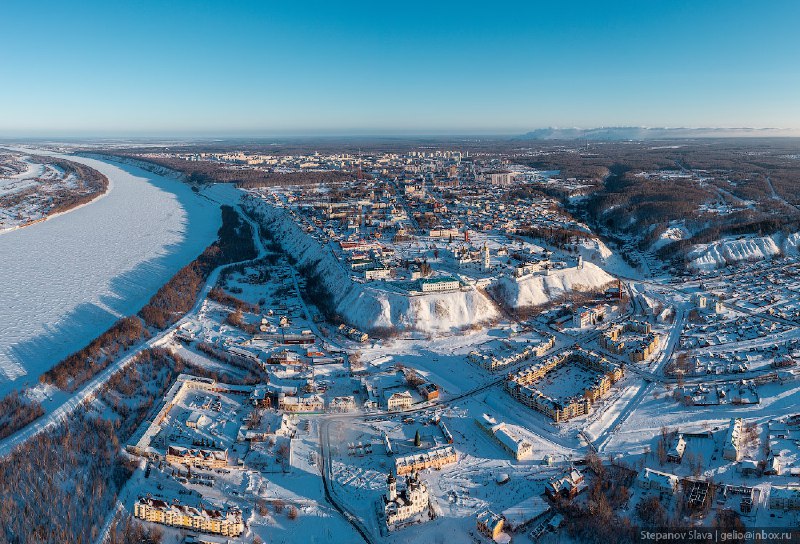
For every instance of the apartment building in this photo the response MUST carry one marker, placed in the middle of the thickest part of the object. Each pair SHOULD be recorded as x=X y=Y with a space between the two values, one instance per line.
x=225 y=523
x=435 y=458
x=207 y=458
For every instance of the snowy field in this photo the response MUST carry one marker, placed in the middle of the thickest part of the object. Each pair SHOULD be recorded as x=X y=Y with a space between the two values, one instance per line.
x=69 y=278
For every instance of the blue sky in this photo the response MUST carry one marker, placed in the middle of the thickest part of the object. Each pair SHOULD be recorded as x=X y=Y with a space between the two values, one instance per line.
x=270 y=68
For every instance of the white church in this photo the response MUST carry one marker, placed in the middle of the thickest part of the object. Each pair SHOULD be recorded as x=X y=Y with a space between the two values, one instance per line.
x=407 y=505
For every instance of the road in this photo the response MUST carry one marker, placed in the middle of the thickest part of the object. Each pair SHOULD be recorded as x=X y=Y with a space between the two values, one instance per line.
x=352 y=519
x=326 y=420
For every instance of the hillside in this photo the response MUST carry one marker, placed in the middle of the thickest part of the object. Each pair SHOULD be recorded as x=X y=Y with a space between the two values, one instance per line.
x=537 y=290
x=733 y=250
x=372 y=306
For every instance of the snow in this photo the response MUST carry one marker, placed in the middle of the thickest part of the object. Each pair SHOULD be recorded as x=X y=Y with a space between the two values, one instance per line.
x=368 y=307
x=594 y=249
x=68 y=279
x=29 y=193
x=672 y=234
x=732 y=250
x=440 y=312
x=540 y=289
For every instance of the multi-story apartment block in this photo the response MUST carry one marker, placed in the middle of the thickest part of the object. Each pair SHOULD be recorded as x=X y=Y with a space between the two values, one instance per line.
x=225 y=523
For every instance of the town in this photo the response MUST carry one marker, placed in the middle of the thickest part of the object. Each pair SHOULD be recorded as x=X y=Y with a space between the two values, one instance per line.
x=436 y=345
x=438 y=273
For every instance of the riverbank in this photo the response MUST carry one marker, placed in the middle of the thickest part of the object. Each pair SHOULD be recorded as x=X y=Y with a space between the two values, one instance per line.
x=66 y=186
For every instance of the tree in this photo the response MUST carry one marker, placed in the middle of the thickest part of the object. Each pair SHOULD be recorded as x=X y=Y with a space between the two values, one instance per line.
x=661 y=451
x=292 y=513
x=729 y=520
x=651 y=512
x=417 y=439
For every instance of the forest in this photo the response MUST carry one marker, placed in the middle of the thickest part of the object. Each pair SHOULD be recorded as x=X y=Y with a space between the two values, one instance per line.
x=79 y=367
x=16 y=411
x=91 y=183
x=56 y=196
x=712 y=187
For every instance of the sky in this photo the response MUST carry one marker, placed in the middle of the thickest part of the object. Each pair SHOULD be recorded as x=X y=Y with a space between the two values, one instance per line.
x=236 y=68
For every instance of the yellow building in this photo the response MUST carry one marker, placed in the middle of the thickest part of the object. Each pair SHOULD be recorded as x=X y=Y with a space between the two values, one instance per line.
x=301 y=405
x=398 y=401
x=197 y=457
x=490 y=524
x=436 y=458
x=225 y=523
x=521 y=385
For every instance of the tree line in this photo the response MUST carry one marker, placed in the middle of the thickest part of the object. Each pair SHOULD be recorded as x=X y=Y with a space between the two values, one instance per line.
x=178 y=295
x=234 y=243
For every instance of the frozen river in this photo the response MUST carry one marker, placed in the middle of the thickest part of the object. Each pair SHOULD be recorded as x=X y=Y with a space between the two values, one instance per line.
x=66 y=280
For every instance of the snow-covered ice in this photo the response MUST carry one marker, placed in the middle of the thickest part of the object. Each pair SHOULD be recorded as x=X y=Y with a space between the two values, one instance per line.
x=67 y=279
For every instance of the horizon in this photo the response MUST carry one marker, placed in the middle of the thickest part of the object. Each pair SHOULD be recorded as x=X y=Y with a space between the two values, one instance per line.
x=247 y=70
x=716 y=132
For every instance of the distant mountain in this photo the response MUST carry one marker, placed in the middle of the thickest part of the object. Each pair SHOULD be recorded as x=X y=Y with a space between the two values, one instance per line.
x=648 y=133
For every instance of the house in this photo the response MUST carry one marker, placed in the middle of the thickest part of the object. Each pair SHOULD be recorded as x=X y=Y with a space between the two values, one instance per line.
x=733 y=437
x=196 y=420
x=748 y=467
x=489 y=524
x=398 y=401
x=301 y=405
x=784 y=497
x=675 y=452
x=583 y=317
x=225 y=523
x=283 y=357
x=435 y=459
x=662 y=482
x=520 y=449
x=357 y=335
x=429 y=391
x=448 y=436
x=517 y=447
x=700 y=300
x=208 y=458
x=259 y=397
x=530 y=510
x=438 y=285
x=342 y=404
x=271 y=424
x=566 y=486
x=377 y=274
x=773 y=467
